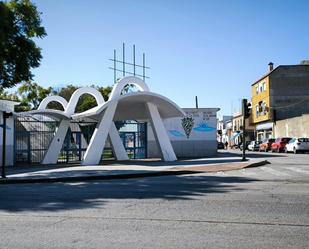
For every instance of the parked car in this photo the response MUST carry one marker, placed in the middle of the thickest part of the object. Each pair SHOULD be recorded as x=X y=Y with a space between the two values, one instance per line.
x=220 y=145
x=247 y=143
x=297 y=144
x=279 y=144
x=265 y=145
x=254 y=145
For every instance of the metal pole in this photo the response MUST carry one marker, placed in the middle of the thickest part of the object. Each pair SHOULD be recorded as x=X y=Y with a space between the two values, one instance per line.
x=196 y=102
x=3 y=175
x=123 y=60
x=243 y=132
x=134 y=60
x=115 y=64
x=144 y=67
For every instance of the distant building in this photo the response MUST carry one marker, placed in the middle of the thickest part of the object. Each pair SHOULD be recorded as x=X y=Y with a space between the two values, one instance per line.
x=281 y=94
x=222 y=128
x=237 y=128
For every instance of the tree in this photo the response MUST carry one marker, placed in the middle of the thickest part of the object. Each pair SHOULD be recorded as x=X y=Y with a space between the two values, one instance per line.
x=20 y=23
x=31 y=94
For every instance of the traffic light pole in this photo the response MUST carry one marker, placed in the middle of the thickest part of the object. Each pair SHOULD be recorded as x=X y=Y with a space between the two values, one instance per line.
x=244 y=106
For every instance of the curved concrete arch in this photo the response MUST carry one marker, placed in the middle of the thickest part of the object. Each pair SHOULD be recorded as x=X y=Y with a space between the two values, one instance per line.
x=147 y=104
x=118 y=87
x=107 y=111
x=168 y=108
x=49 y=99
x=78 y=93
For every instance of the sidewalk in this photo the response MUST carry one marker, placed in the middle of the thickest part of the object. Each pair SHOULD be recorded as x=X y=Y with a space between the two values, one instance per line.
x=123 y=170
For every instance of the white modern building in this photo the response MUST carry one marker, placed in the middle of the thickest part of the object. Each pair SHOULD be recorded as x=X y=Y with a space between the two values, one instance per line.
x=170 y=132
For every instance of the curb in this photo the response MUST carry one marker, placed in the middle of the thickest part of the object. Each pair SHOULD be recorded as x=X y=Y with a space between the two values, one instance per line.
x=118 y=177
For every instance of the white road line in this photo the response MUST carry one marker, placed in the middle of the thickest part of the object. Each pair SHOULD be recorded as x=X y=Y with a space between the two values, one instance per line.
x=273 y=171
x=248 y=172
x=298 y=170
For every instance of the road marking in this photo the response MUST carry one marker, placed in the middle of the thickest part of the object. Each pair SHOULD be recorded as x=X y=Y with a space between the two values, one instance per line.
x=298 y=170
x=247 y=172
x=273 y=171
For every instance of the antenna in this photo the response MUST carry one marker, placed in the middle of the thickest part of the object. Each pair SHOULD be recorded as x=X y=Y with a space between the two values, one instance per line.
x=124 y=63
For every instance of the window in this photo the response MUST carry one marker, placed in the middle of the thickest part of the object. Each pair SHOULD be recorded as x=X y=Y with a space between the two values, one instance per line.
x=257 y=110
x=303 y=140
x=261 y=87
x=264 y=86
x=257 y=90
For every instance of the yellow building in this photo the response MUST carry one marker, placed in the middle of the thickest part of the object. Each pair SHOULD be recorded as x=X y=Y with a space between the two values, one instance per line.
x=280 y=94
x=261 y=115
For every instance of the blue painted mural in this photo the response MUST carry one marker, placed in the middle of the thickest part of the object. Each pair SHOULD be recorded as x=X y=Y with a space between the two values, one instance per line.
x=176 y=133
x=204 y=128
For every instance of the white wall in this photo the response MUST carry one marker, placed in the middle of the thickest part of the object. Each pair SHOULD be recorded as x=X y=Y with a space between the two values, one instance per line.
x=201 y=140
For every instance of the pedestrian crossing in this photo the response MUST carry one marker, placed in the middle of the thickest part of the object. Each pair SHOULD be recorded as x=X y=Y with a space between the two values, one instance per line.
x=298 y=170
x=270 y=171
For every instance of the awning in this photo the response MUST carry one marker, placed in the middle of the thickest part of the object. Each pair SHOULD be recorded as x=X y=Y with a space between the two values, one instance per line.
x=265 y=126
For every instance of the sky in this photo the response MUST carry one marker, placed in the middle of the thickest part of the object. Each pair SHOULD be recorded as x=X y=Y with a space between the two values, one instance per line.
x=211 y=49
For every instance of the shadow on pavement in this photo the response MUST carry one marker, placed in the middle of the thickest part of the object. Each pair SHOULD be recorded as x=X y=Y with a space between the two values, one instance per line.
x=72 y=196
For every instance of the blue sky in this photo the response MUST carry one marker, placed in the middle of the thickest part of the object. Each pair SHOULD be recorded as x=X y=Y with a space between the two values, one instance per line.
x=212 y=49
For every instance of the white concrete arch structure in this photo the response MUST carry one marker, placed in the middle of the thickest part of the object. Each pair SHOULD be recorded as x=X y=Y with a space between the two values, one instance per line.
x=147 y=103
x=53 y=151
x=119 y=86
x=50 y=99
x=143 y=106
x=78 y=93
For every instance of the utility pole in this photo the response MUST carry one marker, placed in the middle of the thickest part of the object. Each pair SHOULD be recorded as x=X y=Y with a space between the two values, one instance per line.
x=5 y=116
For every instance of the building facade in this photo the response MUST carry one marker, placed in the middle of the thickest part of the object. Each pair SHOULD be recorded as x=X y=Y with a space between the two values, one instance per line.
x=237 y=128
x=281 y=94
x=223 y=125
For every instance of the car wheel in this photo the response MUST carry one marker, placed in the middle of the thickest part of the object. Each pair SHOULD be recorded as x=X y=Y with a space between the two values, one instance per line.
x=295 y=150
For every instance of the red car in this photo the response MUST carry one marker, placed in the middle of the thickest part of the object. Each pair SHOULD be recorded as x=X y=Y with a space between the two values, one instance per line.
x=265 y=145
x=279 y=144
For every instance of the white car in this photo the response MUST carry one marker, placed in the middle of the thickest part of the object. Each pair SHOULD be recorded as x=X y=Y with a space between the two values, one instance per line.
x=254 y=145
x=297 y=144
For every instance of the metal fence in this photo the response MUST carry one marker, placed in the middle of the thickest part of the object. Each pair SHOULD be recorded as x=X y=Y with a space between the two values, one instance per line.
x=33 y=135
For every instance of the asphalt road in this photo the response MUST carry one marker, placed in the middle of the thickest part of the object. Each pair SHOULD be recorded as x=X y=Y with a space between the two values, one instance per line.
x=263 y=207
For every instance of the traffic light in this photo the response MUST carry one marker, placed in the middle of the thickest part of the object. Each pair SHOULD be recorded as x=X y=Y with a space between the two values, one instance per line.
x=247 y=108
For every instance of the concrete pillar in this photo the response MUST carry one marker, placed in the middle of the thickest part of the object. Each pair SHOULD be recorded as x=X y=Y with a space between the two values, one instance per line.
x=52 y=153
x=160 y=134
x=117 y=145
x=96 y=146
